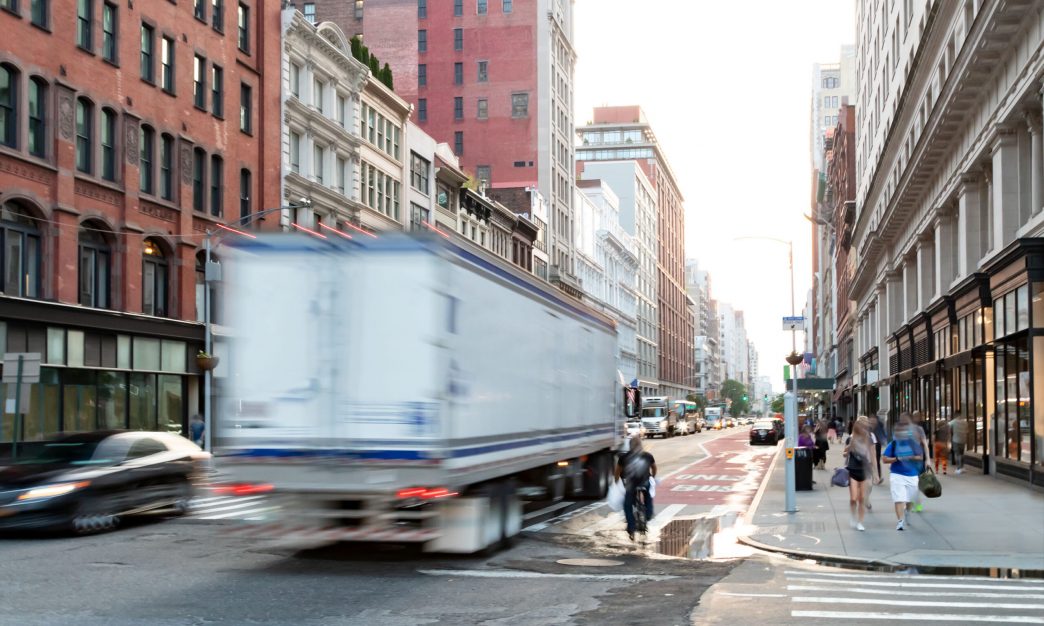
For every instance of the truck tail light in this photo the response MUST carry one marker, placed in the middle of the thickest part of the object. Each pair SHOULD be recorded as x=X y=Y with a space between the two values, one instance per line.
x=425 y=493
x=242 y=489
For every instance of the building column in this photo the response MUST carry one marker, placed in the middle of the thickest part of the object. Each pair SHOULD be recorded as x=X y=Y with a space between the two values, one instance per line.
x=1005 y=189
x=968 y=221
x=909 y=296
x=945 y=242
x=1034 y=122
x=925 y=270
x=895 y=301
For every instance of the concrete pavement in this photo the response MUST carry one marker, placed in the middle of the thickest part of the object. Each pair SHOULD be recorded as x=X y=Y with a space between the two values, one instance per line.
x=979 y=522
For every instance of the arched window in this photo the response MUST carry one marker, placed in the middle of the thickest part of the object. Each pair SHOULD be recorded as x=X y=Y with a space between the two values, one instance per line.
x=217 y=185
x=8 y=106
x=199 y=173
x=19 y=252
x=38 y=117
x=154 y=276
x=166 y=181
x=84 y=134
x=95 y=266
x=146 y=142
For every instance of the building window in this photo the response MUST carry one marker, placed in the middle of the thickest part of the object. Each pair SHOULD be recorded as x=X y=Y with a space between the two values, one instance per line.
x=167 y=64
x=458 y=8
x=199 y=9
x=38 y=12
x=84 y=126
x=458 y=108
x=8 y=106
x=246 y=108
x=458 y=73
x=482 y=172
x=422 y=109
x=458 y=142
x=318 y=95
x=420 y=171
x=94 y=268
x=217 y=91
x=342 y=166
x=199 y=172
x=358 y=9
x=309 y=12
x=217 y=15
x=418 y=216
x=483 y=7
x=166 y=179
x=244 y=194
x=108 y=144
x=483 y=108
x=422 y=9
x=318 y=164
x=244 y=27
x=507 y=6
x=147 y=42
x=520 y=105
x=422 y=41
x=19 y=252
x=342 y=105
x=199 y=82
x=422 y=75
x=295 y=153
x=146 y=139
x=458 y=38
x=84 y=20
x=153 y=280
x=295 y=80
x=217 y=184
x=37 y=117
x=483 y=71
x=109 y=26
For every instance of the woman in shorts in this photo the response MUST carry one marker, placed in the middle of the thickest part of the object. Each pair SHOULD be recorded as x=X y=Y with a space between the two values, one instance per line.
x=859 y=461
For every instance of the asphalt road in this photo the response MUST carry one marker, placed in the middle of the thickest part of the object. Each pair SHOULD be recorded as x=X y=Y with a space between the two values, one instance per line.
x=194 y=571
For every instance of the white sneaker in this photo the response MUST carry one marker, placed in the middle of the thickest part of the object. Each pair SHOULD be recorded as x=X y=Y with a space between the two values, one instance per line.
x=860 y=527
x=901 y=525
x=960 y=470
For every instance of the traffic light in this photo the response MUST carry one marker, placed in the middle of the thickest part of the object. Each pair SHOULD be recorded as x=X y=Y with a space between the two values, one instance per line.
x=744 y=397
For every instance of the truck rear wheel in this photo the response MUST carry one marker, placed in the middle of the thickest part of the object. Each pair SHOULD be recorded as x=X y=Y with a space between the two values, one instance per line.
x=596 y=477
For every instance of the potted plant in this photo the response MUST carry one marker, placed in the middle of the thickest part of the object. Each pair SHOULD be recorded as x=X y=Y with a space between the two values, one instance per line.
x=206 y=362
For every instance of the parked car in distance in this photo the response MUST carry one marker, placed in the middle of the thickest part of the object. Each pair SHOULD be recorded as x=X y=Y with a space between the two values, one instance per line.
x=764 y=431
x=634 y=427
x=87 y=482
x=730 y=422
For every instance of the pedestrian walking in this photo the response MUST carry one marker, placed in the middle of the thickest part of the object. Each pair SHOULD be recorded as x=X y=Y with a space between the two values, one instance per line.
x=878 y=431
x=862 y=472
x=196 y=429
x=905 y=455
x=822 y=446
x=942 y=445
x=958 y=439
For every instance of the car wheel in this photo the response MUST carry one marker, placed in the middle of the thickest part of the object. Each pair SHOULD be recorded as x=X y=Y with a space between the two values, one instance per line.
x=94 y=517
x=183 y=502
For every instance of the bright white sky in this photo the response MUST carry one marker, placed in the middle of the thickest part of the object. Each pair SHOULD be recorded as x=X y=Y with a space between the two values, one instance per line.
x=726 y=85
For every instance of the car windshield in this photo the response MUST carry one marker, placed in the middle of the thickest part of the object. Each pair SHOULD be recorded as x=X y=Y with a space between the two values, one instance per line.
x=72 y=453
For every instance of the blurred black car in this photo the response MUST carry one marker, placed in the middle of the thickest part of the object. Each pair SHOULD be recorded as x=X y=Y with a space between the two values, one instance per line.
x=87 y=482
x=764 y=431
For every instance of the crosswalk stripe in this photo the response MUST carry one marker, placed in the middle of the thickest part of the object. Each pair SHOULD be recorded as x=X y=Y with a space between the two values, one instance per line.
x=909 y=576
x=910 y=603
x=197 y=502
x=233 y=514
x=915 y=585
x=956 y=618
x=960 y=594
x=229 y=507
x=553 y=507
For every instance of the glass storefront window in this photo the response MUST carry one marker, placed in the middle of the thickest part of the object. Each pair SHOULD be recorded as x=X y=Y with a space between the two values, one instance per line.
x=142 y=402
x=1038 y=395
x=112 y=400
x=998 y=318
x=1009 y=313
x=146 y=354
x=1022 y=307
x=173 y=354
x=1037 y=306
x=987 y=323
x=79 y=401
x=171 y=403
x=55 y=346
x=123 y=352
x=74 y=348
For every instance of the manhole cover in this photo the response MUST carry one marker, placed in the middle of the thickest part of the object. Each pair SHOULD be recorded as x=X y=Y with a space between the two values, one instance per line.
x=589 y=562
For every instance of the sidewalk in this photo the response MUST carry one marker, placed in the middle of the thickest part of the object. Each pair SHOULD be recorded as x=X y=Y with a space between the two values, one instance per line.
x=978 y=522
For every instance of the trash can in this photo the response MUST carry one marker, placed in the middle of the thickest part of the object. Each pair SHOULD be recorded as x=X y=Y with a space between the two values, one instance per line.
x=803 y=468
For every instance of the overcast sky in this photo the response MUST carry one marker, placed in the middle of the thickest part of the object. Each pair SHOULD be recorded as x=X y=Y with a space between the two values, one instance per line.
x=726 y=85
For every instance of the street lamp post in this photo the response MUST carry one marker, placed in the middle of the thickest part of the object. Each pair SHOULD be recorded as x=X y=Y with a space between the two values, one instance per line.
x=212 y=274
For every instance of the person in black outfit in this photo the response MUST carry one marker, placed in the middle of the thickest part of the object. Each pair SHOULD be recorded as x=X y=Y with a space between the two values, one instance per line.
x=637 y=468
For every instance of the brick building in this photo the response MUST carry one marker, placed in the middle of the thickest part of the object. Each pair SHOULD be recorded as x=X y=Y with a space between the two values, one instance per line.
x=129 y=130
x=493 y=79
x=841 y=190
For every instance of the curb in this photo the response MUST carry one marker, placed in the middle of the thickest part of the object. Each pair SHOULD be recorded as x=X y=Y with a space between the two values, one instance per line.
x=756 y=501
x=821 y=557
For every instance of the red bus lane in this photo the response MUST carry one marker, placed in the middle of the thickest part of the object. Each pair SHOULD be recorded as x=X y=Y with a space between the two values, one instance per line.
x=729 y=476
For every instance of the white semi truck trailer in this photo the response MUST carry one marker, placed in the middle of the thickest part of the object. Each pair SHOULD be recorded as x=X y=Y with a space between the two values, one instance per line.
x=408 y=389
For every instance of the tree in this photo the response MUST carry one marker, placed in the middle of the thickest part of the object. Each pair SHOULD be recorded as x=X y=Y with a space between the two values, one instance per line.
x=735 y=392
x=777 y=404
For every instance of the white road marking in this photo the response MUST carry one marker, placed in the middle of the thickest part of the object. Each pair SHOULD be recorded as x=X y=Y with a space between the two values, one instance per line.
x=955 y=618
x=504 y=573
x=238 y=513
x=230 y=507
x=911 y=603
x=196 y=502
x=914 y=585
x=754 y=595
x=553 y=507
x=909 y=576
x=666 y=515
x=932 y=594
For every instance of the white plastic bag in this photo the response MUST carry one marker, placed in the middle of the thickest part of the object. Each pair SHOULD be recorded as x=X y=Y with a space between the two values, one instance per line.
x=652 y=486
x=615 y=497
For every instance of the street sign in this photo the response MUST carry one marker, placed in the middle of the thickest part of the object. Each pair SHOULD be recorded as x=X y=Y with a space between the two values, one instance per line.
x=793 y=322
x=30 y=372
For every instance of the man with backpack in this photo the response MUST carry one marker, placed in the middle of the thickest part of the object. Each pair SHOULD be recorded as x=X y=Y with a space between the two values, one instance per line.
x=636 y=468
x=906 y=456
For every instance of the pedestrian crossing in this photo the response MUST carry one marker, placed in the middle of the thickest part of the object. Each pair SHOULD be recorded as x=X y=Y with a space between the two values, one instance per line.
x=833 y=597
x=250 y=508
